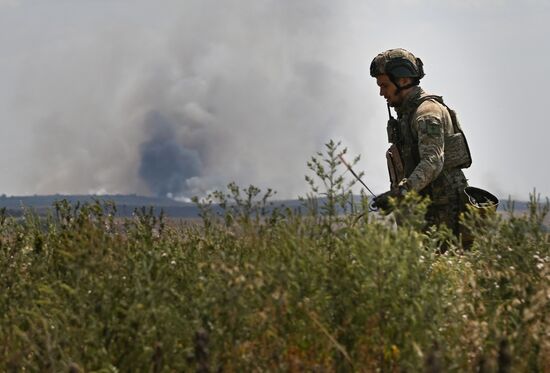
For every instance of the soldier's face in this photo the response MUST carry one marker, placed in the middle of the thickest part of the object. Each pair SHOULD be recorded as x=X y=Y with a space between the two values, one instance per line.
x=388 y=90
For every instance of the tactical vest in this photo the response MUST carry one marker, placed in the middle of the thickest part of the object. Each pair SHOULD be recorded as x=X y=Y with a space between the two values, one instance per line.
x=457 y=152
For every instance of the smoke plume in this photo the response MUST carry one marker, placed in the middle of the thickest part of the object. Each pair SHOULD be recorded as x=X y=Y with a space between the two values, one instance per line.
x=184 y=100
x=166 y=164
x=181 y=97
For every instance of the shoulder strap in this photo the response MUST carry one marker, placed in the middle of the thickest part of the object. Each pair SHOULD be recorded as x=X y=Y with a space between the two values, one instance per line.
x=456 y=125
x=454 y=120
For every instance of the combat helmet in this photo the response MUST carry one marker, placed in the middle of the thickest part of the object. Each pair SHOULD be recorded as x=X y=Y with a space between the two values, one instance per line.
x=398 y=63
x=480 y=198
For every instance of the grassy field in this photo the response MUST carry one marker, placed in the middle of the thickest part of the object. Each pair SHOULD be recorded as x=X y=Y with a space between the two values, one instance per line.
x=262 y=289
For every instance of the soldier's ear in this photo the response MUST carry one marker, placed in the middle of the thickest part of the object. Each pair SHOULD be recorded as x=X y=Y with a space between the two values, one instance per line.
x=404 y=82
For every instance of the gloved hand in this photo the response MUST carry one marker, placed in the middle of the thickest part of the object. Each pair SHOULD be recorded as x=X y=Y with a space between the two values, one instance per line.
x=383 y=200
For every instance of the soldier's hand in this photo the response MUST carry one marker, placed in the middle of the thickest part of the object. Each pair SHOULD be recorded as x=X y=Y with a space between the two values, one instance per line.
x=383 y=200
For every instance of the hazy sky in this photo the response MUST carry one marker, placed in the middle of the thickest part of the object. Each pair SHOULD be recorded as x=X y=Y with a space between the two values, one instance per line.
x=184 y=96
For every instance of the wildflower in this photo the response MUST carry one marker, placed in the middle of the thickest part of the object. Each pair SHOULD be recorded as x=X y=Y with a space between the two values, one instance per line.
x=240 y=279
x=395 y=352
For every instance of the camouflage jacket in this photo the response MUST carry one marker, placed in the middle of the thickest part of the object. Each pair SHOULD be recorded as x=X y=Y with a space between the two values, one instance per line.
x=423 y=130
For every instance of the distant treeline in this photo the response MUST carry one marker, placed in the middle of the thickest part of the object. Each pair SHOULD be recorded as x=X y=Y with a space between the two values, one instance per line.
x=126 y=204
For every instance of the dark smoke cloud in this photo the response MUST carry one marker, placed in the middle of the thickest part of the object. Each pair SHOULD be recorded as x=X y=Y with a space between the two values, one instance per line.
x=166 y=165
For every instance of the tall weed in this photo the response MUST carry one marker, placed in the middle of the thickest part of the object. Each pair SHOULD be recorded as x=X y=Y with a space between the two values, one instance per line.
x=258 y=287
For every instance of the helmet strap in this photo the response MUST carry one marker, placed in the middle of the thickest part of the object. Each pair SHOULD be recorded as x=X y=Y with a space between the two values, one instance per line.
x=393 y=79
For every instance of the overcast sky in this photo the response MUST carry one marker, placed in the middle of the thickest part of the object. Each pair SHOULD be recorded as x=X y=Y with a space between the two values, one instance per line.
x=184 y=96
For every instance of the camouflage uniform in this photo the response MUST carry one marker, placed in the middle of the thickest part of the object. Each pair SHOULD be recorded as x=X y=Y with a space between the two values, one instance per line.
x=430 y=144
x=424 y=128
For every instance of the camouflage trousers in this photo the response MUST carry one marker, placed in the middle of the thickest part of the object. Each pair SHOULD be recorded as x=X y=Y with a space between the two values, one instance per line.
x=448 y=202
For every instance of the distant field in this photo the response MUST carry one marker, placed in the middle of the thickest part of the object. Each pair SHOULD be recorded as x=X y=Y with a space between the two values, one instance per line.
x=84 y=291
x=127 y=204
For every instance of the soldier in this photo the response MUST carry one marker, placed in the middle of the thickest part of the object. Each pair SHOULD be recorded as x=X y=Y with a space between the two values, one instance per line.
x=428 y=148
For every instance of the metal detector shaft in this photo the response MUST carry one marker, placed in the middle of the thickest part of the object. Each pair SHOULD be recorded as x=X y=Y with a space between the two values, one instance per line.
x=348 y=166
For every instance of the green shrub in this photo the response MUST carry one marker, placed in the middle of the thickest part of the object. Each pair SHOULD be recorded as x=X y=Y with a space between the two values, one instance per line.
x=253 y=287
